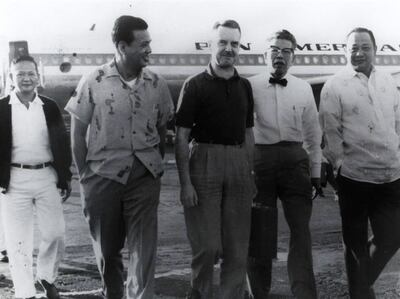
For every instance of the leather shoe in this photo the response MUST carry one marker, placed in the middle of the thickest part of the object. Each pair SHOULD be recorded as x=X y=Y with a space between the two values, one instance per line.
x=49 y=289
x=3 y=256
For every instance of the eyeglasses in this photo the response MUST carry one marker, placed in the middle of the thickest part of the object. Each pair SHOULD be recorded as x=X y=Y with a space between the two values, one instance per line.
x=30 y=75
x=284 y=51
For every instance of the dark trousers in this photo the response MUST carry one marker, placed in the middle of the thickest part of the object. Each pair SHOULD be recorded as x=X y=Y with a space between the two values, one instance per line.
x=282 y=171
x=380 y=205
x=219 y=226
x=116 y=212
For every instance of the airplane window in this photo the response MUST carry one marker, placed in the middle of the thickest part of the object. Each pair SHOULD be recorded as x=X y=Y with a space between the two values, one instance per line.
x=377 y=60
x=334 y=60
x=325 y=59
x=66 y=59
x=386 y=60
x=162 y=60
x=241 y=60
x=251 y=60
x=203 y=60
x=172 y=60
x=88 y=60
x=54 y=60
x=315 y=59
x=307 y=60
x=395 y=60
x=260 y=60
x=182 y=60
x=65 y=67
x=77 y=60
x=342 y=60
x=298 y=60
x=99 y=60
x=152 y=60
x=192 y=60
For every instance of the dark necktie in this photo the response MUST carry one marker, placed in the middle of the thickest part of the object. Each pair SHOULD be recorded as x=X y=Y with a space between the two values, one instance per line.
x=282 y=82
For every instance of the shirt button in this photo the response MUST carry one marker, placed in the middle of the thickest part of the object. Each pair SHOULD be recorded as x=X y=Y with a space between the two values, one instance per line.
x=134 y=112
x=134 y=132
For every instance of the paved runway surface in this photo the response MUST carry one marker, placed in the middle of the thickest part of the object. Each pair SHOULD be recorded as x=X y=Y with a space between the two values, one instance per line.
x=79 y=277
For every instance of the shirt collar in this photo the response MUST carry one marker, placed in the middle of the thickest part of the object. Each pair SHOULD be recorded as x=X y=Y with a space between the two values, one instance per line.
x=14 y=100
x=350 y=72
x=111 y=70
x=209 y=71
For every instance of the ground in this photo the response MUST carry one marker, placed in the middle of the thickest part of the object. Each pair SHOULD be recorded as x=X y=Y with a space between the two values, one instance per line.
x=79 y=276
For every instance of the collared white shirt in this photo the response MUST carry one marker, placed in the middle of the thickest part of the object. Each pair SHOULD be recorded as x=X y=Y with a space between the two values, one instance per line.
x=30 y=138
x=360 y=118
x=287 y=114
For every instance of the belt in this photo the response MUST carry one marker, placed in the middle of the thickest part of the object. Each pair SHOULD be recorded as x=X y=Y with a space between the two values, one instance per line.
x=27 y=166
x=234 y=143
x=281 y=143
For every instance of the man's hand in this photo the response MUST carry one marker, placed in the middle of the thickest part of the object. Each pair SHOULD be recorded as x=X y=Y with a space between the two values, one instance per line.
x=189 y=196
x=65 y=193
x=316 y=183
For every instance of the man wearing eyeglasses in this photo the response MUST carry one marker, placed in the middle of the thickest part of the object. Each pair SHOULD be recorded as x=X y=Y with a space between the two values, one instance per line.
x=287 y=164
x=360 y=117
x=35 y=157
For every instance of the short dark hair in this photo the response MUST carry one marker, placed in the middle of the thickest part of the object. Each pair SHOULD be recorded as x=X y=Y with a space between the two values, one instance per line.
x=229 y=24
x=25 y=58
x=284 y=34
x=123 y=27
x=361 y=30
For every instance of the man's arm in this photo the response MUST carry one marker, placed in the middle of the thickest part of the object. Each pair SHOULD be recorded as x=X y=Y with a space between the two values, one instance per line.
x=330 y=114
x=249 y=143
x=78 y=143
x=188 y=194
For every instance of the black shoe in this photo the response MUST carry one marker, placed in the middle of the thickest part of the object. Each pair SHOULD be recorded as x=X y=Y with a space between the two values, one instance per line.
x=4 y=257
x=193 y=294
x=49 y=289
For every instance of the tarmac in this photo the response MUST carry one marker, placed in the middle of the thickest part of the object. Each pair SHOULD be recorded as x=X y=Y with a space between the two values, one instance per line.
x=79 y=278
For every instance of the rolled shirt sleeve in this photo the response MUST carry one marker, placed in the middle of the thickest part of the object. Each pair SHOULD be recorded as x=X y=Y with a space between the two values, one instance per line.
x=81 y=104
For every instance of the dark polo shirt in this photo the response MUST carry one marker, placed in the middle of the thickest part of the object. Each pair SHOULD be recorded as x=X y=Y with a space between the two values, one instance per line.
x=217 y=110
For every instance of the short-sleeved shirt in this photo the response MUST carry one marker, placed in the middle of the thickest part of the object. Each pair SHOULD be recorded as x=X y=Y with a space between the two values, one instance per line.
x=217 y=110
x=123 y=120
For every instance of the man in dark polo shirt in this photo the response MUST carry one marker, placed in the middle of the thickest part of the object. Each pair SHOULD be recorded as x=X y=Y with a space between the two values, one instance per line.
x=215 y=111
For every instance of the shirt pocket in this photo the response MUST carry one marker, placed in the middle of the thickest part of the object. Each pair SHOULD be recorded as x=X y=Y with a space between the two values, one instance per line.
x=295 y=116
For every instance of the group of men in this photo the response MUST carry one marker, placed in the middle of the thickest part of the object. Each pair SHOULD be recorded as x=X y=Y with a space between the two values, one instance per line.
x=240 y=145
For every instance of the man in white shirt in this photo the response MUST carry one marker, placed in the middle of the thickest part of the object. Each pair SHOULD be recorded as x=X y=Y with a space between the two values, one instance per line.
x=35 y=158
x=287 y=137
x=360 y=117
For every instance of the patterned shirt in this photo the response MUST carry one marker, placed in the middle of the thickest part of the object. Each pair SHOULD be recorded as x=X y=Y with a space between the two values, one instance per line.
x=361 y=123
x=287 y=114
x=123 y=120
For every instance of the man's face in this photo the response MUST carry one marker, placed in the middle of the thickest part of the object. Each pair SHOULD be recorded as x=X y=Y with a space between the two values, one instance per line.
x=24 y=76
x=137 y=53
x=225 y=47
x=360 y=51
x=280 y=56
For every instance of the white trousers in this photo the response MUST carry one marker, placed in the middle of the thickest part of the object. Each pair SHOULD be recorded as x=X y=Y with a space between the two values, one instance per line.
x=29 y=191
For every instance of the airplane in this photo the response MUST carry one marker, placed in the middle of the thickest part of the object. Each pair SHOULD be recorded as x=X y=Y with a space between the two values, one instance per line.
x=176 y=56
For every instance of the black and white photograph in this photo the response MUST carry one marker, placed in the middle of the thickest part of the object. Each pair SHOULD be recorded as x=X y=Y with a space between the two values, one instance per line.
x=199 y=149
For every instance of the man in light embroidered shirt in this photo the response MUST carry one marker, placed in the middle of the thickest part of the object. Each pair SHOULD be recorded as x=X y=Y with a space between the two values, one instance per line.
x=35 y=157
x=127 y=107
x=287 y=137
x=360 y=117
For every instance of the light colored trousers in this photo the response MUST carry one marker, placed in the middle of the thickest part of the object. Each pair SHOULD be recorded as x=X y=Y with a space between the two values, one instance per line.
x=29 y=191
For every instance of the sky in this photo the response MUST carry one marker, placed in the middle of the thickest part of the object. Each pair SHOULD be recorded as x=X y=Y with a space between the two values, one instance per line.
x=65 y=24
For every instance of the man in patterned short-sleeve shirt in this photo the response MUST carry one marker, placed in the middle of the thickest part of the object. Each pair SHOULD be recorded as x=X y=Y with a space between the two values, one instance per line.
x=126 y=108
